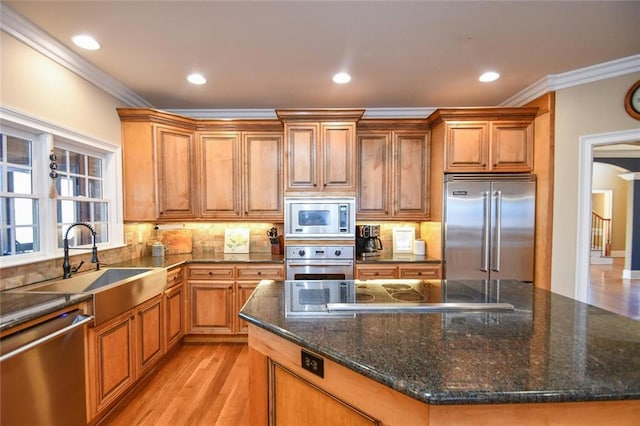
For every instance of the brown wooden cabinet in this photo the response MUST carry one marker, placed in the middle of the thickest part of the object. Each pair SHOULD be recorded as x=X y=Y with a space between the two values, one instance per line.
x=120 y=351
x=422 y=271
x=178 y=168
x=217 y=292
x=175 y=298
x=241 y=175
x=485 y=139
x=320 y=150
x=393 y=170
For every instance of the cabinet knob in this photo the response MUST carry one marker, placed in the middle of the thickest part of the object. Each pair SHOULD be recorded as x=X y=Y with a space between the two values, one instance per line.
x=376 y=273
x=259 y=272
x=210 y=273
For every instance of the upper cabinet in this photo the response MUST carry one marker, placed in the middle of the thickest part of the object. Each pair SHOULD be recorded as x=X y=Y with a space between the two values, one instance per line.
x=158 y=153
x=320 y=150
x=484 y=139
x=178 y=168
x=393 y=170
x=241 y=175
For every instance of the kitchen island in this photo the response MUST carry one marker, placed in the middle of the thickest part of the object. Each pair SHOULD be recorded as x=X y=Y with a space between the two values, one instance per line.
x=551 y=360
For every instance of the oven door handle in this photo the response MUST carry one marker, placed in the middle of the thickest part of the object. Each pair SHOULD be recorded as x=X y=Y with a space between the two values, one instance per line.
x=296 y=265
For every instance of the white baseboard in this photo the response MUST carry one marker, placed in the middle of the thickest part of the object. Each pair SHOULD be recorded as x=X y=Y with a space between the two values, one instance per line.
x=596 y=260
x=630 y=274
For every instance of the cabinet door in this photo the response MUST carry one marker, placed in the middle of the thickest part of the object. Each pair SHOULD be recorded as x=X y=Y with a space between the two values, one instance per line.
x=373 y=175
x=301 y=172
x=467 y=146
x=175 y=153
x=294 y=401
x=138 y=172
x=511 y=146
x=210 y=307
x=262 y=176
x=245 y=289
x=150 y=331
x=374 y=272
x=410 y=176
x=260 y=272
x=220 y=175
x=338 y=157
x=111 y=361
x=174 y=315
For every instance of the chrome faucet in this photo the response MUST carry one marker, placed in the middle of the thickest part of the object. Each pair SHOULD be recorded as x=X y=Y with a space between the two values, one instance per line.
x=66 y=265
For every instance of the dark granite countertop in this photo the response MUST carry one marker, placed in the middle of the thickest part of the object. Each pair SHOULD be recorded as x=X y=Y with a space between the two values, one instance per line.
x=549 y=349
x=17 y=308
x=390 y=257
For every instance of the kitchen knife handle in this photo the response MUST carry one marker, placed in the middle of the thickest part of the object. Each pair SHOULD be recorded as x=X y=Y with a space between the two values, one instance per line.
x=497 y=236
x=487 y=224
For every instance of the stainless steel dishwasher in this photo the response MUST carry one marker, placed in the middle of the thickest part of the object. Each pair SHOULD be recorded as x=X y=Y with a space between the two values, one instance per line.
x=42 y=375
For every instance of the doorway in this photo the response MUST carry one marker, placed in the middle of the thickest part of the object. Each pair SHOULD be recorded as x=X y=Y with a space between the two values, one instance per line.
x=583 y=246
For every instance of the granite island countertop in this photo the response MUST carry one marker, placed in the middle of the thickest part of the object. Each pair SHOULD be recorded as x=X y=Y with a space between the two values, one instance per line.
x=549 y=349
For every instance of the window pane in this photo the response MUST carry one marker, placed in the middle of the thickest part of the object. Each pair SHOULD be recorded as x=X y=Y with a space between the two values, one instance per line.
x=102 y=232
x=77 y=236
x=101 y=212
x=76 y=163
x=61 y=159
x=95 y=167
x=66 y=211
x=19 y=181
x=95 y=188
x=18 y=151
x=5 y=242
x=26 y=240
x=26 y=211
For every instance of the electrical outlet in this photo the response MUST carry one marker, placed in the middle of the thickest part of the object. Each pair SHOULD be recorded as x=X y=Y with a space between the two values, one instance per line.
x=313 y=363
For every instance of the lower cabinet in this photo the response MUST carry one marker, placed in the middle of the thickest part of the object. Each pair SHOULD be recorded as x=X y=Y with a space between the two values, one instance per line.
x=121 y=350
x=216 y=293
x=291 y=392
x=421 y=271
x=175 y=305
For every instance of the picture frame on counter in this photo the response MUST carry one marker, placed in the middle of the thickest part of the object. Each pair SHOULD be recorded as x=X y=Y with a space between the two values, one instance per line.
x=236 y=240
x=403 y=240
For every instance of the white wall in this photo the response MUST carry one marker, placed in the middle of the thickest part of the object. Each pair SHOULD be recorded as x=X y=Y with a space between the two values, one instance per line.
x=35 y=85
x=588 y=109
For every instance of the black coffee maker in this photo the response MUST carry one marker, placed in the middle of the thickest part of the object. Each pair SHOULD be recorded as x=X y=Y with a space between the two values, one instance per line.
x=368 y=242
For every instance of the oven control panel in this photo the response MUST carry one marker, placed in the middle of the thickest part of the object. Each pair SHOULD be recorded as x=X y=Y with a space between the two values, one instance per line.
x=320 y=252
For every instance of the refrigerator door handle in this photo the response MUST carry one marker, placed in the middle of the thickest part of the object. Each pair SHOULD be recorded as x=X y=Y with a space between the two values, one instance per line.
x=497 y=236
x=487 y=224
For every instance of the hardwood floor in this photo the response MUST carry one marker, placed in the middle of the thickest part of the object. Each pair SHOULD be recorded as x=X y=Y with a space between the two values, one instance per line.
x=202 y=384
x=608 y=290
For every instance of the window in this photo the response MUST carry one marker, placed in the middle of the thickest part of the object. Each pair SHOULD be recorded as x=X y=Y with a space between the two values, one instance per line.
x=37 y=210
x=19 y=199
x=79 y=186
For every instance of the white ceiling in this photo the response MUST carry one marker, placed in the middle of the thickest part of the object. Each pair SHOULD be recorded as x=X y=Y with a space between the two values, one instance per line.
x=270 y=54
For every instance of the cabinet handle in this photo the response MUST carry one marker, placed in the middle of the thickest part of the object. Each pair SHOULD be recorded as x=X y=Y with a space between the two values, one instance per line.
x=420 y=273
x=132 y=317
x=230 y=287
x=259 y=272
x=210 y=273
x=376 y=273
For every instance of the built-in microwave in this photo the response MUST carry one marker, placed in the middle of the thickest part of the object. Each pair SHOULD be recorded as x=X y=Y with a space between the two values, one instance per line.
x=320 y=218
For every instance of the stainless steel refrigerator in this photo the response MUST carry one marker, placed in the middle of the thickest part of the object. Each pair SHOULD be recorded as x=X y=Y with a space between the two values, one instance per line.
x=488 y=226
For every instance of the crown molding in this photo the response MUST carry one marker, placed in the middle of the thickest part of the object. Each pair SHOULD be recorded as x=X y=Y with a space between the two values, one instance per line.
x=574 y=78
x=398 y=112
x=20 y=28
x=227 y=114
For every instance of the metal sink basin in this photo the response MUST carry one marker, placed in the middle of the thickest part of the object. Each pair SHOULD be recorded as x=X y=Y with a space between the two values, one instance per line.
x=114 y=290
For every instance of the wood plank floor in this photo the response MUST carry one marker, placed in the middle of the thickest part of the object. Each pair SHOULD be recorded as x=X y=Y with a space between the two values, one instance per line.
x=608 y=290
x=202 y=384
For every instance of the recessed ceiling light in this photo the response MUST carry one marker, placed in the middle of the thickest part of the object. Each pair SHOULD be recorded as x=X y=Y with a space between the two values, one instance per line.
x=489 y=76
x=86 y=42
x=196 y=79
x=341 y=78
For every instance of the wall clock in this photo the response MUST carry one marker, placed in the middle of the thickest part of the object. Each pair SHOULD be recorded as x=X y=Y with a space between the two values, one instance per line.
x=632 y=101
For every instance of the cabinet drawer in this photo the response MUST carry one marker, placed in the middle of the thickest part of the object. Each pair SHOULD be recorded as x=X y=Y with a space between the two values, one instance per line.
x=426 y=273
x=211 y=273
x=261 y=272
x=376 y=273
x=175 y=277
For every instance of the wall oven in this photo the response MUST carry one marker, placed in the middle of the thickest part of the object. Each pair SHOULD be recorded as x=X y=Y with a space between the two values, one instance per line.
x=320 y=217
x=330 y=262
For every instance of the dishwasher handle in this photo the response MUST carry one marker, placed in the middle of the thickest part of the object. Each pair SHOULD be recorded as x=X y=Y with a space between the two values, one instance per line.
x=80 y=321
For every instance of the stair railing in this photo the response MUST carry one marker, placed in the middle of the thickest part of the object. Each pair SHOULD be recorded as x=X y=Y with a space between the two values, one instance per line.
x=600 y=234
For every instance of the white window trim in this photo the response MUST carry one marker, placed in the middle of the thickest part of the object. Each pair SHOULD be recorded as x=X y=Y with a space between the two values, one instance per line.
x=45 y=133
